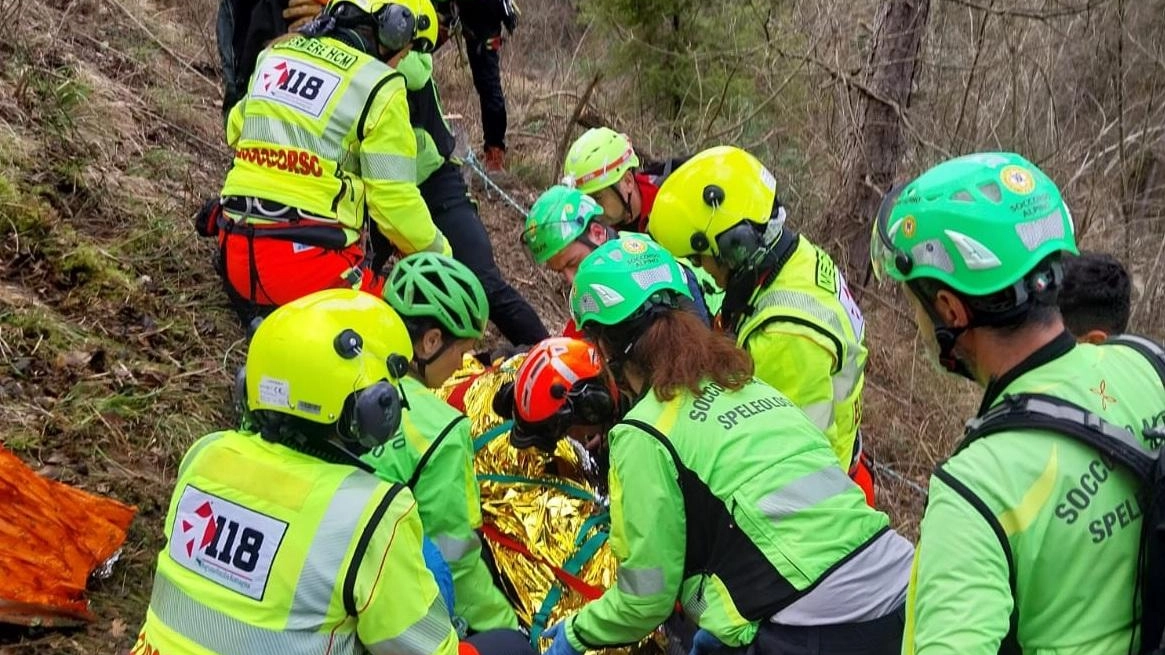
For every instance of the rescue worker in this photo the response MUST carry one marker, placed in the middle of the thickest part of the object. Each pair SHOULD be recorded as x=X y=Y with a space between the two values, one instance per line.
x=481 y=23
x=324 y=152
x=724 y=496
x=564 y=226
x=1030 y=540
x=602 y=164
x=442 y=184
x=276 y=540
x=444 y=309
x=785 y=301
x=1096 y=298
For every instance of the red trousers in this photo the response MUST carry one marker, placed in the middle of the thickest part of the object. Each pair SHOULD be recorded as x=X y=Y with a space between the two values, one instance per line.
x=860 y=473
x=268 y=271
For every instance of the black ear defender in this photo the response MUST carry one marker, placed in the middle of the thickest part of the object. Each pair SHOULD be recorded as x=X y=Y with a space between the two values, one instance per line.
x=699 y=242
x=374 y=416
x=396 y=27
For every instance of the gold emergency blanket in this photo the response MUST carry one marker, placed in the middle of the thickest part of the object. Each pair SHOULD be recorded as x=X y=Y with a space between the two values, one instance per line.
x=534 y=503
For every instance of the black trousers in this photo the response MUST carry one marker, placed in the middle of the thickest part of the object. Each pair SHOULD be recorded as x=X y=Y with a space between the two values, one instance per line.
x=878 y=637
x=502 y=642
x=455 y=214
x=485 y=66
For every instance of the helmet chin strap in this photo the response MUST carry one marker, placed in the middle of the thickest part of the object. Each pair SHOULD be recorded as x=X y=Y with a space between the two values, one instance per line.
x=946 y=337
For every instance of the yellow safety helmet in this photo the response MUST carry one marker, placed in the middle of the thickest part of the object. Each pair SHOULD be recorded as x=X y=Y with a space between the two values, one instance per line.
x=398 y=23
x=707 y=196
x=330 y=358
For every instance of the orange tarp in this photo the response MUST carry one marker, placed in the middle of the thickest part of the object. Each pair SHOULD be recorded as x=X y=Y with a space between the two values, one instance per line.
x=52 y=536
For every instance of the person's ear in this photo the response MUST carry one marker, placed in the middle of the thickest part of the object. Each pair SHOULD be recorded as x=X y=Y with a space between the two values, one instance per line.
x=597 y=233
x=429 y=343
x=1093 y=336
x=951 y=309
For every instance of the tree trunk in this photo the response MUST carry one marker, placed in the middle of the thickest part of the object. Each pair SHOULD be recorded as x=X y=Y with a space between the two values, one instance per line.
x=872 y=161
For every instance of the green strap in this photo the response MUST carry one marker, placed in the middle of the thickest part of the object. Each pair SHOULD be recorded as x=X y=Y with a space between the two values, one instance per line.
x=490 y=435
x=569 y=489
x=587 y=547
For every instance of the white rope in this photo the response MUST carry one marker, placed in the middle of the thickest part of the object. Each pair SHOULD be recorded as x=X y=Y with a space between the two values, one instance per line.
x=475 y=165
x=882 y=468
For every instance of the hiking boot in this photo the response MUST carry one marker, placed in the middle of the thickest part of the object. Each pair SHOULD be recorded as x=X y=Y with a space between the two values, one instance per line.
x=495 y=159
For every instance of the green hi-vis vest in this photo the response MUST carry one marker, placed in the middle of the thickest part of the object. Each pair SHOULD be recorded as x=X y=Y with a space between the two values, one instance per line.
x=809 y=300
x=1042 y=513
x=730 y=501
x=272 y=551
x=324 y=128
x=433 y=454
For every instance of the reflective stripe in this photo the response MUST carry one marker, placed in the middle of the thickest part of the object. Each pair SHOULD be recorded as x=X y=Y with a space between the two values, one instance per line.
x=421 y=638
x=280 y=132
x=222 y=633
x=805 y=492
x=330 y=545
x=639 y=582
x=821 y=414
x=453 y=549
x=804 y=302
x=379 y=166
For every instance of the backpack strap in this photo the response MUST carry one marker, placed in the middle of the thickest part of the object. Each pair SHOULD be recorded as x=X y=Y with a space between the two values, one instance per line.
x=1033 y=411
x=1148 y=348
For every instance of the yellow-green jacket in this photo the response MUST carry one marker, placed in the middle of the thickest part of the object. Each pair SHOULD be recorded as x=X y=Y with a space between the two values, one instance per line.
x=433 y=454
x=324 y=128
x=807 y=337
x=269 y=550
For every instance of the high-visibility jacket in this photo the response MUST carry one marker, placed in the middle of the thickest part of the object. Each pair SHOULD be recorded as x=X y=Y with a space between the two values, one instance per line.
x=435 y=140
x=806 y=335
x=433 y=454
x=1068 y=519
x=733 y=503
x=324 y=128
x=269 y=550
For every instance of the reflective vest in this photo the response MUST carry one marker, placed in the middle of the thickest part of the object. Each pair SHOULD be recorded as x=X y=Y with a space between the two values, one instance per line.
x=807 y=336
x=324 y=131
x=272 y=551
x=731 y=501
x=433 y=454
x=1068 y=519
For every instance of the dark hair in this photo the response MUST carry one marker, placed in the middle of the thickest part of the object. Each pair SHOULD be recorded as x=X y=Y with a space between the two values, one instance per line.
x=678 y=351
x=1096 y=294
x=417 y=326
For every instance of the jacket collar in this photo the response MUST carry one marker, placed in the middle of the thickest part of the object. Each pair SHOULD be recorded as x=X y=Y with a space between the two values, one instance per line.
x=1053 y=350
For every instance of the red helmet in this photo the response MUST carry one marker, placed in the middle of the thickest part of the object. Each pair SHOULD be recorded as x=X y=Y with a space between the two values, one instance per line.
x=559 y=385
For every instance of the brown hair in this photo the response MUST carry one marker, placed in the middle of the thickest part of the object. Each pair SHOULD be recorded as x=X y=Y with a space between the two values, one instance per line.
x=679 y=352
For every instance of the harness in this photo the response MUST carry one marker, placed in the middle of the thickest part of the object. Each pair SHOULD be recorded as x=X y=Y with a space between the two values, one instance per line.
x=282 y=222
x=1034 y=411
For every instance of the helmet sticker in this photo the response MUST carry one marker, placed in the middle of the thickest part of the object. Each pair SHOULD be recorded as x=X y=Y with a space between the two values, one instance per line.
x=768 y=179
x=274 y=392
x=1018 y=179
x=908 y=226
x=634 y=246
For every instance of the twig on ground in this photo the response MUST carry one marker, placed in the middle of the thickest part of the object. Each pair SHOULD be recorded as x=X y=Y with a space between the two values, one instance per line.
x=560 y=154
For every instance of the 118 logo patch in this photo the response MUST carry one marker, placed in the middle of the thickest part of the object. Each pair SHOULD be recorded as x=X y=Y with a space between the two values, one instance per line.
x=225 y=542
x=296 y=84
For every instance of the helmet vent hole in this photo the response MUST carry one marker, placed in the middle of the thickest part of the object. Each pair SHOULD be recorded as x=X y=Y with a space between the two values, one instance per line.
x=992 y=191
x=962 y=196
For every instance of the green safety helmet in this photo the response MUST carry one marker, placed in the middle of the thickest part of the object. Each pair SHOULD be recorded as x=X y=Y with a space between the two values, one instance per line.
x=978 y=224
x=598 y=159
x=430 y=285
x=330 y=357
x=623 y=279
x=558 y=217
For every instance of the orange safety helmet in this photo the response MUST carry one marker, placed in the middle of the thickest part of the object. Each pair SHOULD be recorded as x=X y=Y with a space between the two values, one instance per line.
x=559 y=385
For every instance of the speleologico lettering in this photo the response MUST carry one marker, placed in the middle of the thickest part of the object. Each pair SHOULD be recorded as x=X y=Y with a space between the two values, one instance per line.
x=703 y=402
x=750 y=409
